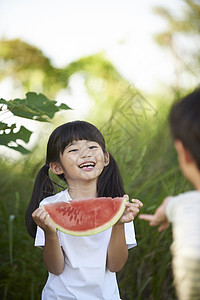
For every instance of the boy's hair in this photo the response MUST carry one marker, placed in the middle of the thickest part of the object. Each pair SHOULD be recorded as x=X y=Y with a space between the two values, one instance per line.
x=185 y=123
x=109 y=183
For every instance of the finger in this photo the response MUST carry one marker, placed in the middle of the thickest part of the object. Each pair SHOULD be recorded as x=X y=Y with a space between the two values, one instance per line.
x=36 y=212
x=135 y=204
x=130 y=204
x=45 y=215
x=133 y=208
x=153 y=223
x=46 y=220
x=41 y=217
x=144 y=217
x=163 y=227
x=41 y=214
x=43 y=221
x=128 y=218
x=133 y=211
x=126 y=197
x=136 y=201
x=131 y=217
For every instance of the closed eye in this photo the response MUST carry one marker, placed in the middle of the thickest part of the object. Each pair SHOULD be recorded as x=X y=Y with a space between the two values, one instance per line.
x=93 y=147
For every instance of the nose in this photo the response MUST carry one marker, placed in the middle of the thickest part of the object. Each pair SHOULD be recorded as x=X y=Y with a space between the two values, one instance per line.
x=86 y=152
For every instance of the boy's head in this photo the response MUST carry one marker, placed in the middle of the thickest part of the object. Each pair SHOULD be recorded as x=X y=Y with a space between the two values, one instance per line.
x=185 y=124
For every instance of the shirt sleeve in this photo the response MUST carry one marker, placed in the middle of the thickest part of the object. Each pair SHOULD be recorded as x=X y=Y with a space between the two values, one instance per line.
x=39 y=238
x=171 y=207
x=130 y=235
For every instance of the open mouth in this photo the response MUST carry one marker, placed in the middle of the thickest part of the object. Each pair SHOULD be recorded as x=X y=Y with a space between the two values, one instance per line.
x=87 y=165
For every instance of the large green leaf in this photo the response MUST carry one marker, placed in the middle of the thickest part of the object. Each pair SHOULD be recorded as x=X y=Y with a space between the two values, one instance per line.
x=34 y=106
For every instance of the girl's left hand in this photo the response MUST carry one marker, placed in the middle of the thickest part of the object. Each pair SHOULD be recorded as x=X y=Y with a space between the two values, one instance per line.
x=131 y=211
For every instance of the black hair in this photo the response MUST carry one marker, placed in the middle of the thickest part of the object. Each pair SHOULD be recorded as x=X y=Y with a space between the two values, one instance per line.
x=109 y=182
x=184 y=121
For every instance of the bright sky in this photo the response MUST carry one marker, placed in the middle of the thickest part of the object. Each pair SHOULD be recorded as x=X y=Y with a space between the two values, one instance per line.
x=66 y=30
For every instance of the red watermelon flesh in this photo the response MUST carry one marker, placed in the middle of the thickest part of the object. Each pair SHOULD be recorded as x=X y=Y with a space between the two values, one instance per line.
x=85 y=217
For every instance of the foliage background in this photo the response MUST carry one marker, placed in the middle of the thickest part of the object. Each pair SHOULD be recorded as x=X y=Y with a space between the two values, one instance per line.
x=135 y=126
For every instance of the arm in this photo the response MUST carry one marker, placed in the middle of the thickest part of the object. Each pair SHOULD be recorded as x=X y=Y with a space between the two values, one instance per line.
x=159 y=218
x=53 y=256
x=117 y=254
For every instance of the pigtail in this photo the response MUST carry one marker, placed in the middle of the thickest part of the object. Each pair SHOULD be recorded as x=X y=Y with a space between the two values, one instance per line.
x=43 y=187
x=110 y=183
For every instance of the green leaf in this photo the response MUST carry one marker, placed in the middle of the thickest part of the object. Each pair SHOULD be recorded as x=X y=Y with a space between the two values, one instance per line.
x=19 y=148
x=23 y=134
x=6 y=138
x=4 y=126
x=34 y=106
x=63 y=106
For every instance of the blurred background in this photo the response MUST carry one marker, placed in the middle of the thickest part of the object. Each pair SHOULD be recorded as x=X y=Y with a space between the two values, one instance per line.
x=119 y=65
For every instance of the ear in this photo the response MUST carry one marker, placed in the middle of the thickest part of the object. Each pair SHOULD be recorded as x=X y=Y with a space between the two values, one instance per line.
x=184 y=154
x=106 y=159
x=56 y=168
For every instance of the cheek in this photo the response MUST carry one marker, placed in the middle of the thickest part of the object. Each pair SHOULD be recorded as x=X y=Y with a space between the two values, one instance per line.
x=69 y=160
x=99 y=169
x=100 y=158
x=101 y=163
x=72 y=160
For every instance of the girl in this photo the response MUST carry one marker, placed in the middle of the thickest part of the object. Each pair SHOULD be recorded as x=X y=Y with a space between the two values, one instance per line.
x=80 y=268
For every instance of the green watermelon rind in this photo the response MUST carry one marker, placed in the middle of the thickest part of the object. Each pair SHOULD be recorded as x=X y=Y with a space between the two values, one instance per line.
x=96 y=230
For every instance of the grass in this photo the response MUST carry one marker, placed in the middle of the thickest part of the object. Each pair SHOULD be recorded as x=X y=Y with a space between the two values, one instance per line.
x=21 y=271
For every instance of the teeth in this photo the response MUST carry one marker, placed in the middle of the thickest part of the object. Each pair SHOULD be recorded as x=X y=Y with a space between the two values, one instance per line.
x=88 y=165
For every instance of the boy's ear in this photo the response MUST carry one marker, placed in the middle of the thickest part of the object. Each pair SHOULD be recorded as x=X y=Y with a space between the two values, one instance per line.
x=106 y=159
x=56 y=168
x=184 y=154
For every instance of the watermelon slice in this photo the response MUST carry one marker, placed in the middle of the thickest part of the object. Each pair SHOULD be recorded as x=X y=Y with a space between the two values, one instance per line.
x=85 y=217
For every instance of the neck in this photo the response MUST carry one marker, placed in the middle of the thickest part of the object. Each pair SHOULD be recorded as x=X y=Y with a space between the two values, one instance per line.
x=197 y=185
x=195 y=178
x=83 y=191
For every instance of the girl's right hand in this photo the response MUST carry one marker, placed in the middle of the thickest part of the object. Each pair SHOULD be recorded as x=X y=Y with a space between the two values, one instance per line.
x=42 y=219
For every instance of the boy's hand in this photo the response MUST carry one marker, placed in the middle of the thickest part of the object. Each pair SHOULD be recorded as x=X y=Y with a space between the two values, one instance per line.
x=42 y=219
x=158 y=218
x=131 y=211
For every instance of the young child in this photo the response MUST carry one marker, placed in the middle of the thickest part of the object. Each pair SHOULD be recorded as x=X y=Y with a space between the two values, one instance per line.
x=183 y=211
x=80 y=268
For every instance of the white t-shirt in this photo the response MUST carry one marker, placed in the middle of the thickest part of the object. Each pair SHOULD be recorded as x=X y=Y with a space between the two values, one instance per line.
x=183 y=211
x=85 y=276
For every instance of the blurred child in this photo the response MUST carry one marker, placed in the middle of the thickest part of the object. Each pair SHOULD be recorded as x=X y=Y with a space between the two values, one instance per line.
x=183 y=211
x=80 y=267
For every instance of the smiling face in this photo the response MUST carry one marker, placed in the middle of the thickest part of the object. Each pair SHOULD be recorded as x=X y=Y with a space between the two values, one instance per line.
x=81 y=160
